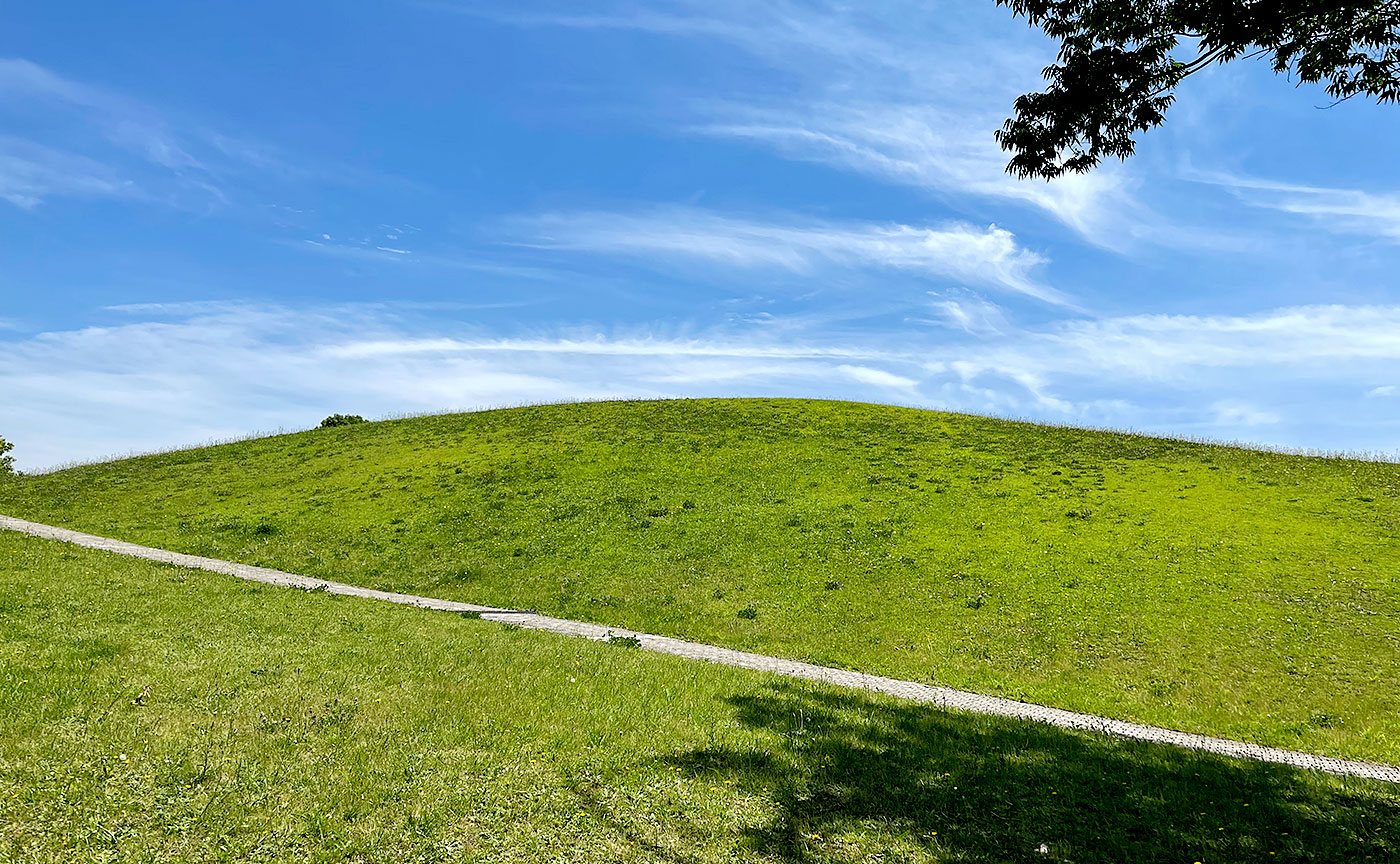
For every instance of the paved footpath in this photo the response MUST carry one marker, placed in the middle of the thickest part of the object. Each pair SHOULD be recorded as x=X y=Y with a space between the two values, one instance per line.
x=942 y=697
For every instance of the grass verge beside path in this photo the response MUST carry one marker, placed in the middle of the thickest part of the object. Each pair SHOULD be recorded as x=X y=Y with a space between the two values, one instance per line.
x=159 y=714
x=1247 y=595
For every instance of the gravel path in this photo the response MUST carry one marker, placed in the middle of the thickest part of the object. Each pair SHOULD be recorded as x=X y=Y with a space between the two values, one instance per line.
x=942 y=697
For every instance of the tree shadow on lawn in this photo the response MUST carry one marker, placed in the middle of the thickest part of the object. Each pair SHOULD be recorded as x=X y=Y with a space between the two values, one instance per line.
x=996 y=790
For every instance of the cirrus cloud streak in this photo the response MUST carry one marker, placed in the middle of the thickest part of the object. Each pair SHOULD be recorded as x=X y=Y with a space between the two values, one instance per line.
x=154 y=382
x=984 y=257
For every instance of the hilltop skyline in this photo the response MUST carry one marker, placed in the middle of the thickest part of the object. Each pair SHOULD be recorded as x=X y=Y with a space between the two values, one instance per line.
x=225 y=220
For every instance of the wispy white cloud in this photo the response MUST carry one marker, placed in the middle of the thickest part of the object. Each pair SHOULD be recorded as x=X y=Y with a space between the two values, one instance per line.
x=22 y=79
x=125 y=124
x=907 y=95
x=604 y=346
x=968 y=313
x=987 y=257
x=782 y=32
x=1342 y=211
x=1224 y=376
x=181 y=308
x=1203 y=365
x=946 y=152
x=1382 y=391
x=877 y=377
x=79 y=140
x=157 y=383
x=156 y=379
x=30 y=173
x=1154 y=346
x=367 y=252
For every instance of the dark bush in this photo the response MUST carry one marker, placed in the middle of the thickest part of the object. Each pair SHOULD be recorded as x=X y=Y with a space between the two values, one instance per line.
x=7 y=463
x=341 y=420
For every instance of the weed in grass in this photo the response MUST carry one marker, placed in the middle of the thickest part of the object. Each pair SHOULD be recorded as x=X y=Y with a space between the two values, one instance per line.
x=748 y=613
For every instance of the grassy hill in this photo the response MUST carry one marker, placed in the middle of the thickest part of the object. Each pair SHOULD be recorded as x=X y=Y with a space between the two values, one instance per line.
x=1212 y=589
x=161 y=715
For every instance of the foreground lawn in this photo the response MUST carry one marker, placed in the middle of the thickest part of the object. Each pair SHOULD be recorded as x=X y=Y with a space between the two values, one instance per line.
x=1218 y=590
x=156 y=714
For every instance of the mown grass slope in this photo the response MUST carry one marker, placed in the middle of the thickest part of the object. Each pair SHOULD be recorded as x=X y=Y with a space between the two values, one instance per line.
x=156 y=714
x=1244 y=594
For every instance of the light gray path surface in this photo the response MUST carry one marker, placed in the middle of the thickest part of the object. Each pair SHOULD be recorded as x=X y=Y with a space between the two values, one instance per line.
x=942 y=697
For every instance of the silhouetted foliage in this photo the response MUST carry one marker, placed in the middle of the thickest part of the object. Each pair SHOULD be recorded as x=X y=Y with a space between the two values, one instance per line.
x=1118 y=65
x=341 y=420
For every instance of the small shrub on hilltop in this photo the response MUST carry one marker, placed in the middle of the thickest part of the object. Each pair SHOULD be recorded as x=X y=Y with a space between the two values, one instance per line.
x=7 y=463
x=341 y=420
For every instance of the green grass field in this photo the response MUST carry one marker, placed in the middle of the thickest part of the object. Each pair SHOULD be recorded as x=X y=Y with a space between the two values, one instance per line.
x=154 y=714
x=1243 y=594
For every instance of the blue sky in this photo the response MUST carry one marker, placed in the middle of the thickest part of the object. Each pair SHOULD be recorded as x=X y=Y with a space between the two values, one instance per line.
x=221 y=218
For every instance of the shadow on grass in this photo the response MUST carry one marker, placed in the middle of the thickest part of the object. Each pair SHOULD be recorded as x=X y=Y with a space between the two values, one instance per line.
x=1007 y=791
